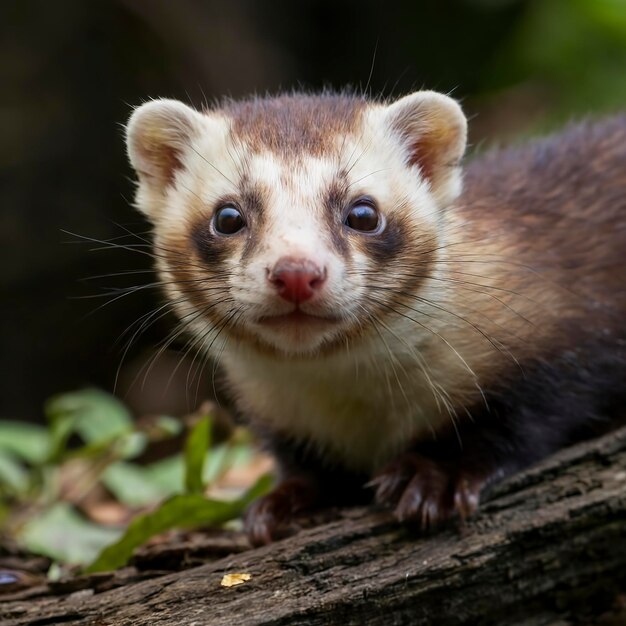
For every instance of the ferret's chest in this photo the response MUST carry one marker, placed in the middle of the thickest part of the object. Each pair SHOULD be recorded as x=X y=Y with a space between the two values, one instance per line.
x=359 y=416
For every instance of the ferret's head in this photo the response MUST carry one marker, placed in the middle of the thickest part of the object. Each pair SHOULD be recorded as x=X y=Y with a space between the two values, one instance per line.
x=293 y=223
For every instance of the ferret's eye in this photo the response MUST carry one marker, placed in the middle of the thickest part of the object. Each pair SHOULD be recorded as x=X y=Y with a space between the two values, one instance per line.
x=363 y=217
x=228 y=220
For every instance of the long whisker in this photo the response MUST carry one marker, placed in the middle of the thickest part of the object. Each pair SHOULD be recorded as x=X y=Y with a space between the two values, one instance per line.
x=439 y=398
x=497 y=345
x=430 y=330
x=185 y=321
x=410 y=296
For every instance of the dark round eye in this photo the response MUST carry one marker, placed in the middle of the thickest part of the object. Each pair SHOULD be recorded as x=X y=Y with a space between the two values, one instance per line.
x=228 y=220
x=363 y=217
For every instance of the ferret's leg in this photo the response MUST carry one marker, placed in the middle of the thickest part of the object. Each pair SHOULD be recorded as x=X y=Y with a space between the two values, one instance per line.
x=268 y=517
x=306 y=481
x=550 y=408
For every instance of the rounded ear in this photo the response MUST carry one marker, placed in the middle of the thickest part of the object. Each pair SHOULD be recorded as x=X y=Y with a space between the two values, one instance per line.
x=157 y=135
x=433 y=130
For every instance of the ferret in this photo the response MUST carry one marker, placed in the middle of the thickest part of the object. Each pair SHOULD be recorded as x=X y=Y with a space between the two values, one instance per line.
x=392 y=327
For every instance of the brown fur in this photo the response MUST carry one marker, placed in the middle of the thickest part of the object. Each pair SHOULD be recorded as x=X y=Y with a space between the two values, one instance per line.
x=555 y=211
x=292 y=125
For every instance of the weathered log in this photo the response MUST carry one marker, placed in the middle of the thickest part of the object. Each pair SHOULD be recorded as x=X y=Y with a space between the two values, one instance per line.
x=548 y=547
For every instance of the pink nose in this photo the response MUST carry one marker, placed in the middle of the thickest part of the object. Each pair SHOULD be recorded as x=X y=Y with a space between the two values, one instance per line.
x=296 y=280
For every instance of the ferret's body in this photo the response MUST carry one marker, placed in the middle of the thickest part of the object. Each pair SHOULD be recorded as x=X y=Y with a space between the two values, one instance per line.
x=534 y=272
x=369 y=321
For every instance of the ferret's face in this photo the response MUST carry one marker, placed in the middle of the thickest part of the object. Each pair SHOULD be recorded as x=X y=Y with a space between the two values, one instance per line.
x=293 y=223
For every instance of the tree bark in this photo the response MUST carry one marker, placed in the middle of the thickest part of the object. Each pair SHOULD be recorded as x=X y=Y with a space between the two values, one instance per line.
x=548 y=547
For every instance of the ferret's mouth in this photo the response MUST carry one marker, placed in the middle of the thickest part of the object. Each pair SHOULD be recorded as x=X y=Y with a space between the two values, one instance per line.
x=296 y=318
x=298 y=332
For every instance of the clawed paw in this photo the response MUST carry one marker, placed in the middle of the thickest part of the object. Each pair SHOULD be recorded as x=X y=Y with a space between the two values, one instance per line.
x=425 y=492
x=269 y=518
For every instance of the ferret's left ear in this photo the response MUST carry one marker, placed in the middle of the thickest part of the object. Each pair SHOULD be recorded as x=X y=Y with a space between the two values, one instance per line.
x=433 y=130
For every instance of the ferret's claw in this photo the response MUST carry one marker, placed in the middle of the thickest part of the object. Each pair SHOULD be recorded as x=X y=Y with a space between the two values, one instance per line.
x=427 y=493
x=269 y=518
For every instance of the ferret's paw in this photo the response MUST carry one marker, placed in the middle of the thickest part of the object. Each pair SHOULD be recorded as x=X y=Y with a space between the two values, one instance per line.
x=269 y=517
x=426 y=493
x=265 y=517
x=418 y=488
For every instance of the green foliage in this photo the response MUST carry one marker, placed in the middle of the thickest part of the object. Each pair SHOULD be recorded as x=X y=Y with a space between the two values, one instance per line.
x=94 y=415
x=572 y=51
x=61 y=533
x=44 y=480
x=133 y=484
x=13 y=476
x=26 y=441
x=184 y=511
x=195 y=452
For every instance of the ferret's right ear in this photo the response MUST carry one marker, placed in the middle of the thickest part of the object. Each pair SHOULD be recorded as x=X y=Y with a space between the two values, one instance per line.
x=432 y=129
x=157 y=135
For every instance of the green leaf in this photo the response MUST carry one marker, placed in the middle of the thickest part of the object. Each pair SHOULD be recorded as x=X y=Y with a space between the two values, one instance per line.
x=168 y=474
x=181 y=511
x=134 y=485
x=196 y=445
x=27 y=441
x=61 y=428
x=55 y=572
x=168 y=426
x=13 y=475
x=140 y=485
x=95 y=415
x=63 y=535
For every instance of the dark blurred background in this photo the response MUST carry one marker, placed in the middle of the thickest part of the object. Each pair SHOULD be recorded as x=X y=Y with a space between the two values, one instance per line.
x=71 y=71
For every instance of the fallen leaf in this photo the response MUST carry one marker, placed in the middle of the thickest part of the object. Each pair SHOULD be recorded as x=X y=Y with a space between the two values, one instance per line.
x=231 y=580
